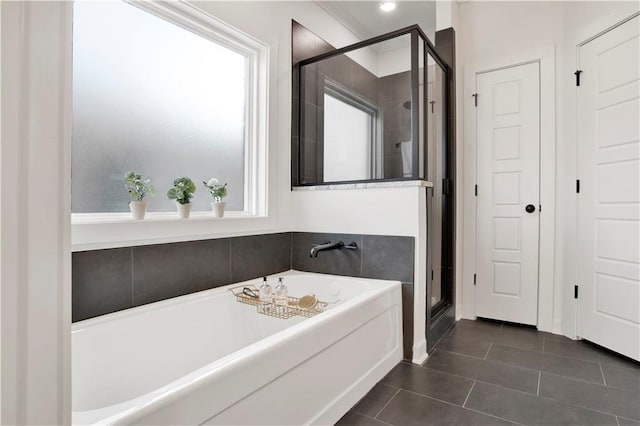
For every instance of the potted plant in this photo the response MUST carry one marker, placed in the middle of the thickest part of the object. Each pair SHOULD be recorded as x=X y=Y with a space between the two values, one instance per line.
x=138 y=188
x=218 y=192
x=182 y=191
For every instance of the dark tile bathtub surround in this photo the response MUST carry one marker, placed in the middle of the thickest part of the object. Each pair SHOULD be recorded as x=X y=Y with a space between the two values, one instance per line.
x=106 y=281
x=378 y=256
x=101 y=282
x=259 y=255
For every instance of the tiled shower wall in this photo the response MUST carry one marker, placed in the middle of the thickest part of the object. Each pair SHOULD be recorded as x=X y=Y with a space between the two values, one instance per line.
x=111 y=280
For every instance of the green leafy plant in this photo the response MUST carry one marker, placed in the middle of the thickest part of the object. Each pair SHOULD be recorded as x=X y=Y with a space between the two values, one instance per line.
x=217 y=191
x=182 y=190
x=138 y=187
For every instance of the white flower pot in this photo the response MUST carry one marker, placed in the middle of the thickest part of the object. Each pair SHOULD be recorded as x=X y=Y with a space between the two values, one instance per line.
x=218 y=208
x=183 y=210
x=138 y=209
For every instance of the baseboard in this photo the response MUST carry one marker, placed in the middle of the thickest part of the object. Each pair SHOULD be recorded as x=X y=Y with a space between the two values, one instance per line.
x=420 y=352
x=458 y=312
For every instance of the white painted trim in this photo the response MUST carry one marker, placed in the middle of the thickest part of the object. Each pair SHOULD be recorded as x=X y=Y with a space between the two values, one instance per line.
x=420 y=281
x=546 y=58
x=421 y=356
x=106 y=230
x=36 y=187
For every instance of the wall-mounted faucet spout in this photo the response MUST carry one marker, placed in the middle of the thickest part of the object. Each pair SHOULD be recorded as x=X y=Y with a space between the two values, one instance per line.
x=331 y=246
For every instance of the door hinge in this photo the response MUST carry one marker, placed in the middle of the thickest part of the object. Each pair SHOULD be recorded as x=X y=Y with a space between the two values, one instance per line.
x=476 y=190
x=474 y=279
x=577 y=186
x=475 y=99
x=447 y=186
x=432 y=275
x=575 y=291
x=577 y=74
x=432 y=103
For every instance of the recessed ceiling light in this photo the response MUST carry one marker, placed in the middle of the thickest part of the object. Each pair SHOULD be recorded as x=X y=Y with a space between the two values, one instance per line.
x=387 y=6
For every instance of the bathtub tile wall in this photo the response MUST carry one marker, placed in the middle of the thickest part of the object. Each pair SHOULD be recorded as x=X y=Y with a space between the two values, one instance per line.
x=101 y=282
x=259 y=255
x=105 y=281
x=163 y=271
x=387 y=257
x=338 y=262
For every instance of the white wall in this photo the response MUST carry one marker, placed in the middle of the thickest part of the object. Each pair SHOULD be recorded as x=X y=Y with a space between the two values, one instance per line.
x=495 y=32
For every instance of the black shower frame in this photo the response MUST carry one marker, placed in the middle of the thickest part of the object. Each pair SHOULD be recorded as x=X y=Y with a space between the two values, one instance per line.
x=297 y=166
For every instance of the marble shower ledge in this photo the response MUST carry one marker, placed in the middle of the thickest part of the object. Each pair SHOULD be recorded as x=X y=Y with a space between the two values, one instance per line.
x=366 y=185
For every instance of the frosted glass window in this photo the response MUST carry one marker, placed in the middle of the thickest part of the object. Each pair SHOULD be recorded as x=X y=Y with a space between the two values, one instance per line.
x=153 y=97
x=347 y=141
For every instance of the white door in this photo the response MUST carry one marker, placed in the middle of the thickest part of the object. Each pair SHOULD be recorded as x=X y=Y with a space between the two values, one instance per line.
x=508 y=159
x=609 y=198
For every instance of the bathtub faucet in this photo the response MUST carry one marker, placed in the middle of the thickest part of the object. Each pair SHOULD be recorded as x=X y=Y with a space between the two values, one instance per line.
x=331 y=246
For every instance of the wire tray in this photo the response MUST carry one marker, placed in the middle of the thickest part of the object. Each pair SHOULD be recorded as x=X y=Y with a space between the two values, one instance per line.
x=277 y=311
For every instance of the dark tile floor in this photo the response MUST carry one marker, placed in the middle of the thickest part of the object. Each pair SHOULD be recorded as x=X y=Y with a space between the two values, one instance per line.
x=488 y=373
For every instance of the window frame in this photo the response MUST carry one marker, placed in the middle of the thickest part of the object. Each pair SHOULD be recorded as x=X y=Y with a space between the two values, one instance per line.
x=118 y=229
x=342 y=94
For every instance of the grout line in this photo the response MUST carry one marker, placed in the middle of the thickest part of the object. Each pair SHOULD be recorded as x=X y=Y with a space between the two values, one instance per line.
x=586 y=381
x=539 y=376
x=544 y=339
x=617 y=421
x=519 y=367
x=230 y=262
x=463 y=408
x=388 y=402
x=361 y=250
x=548 y=398
x=501 y=326
x=488 y=349
x=602 y=372
x=131 y=258
x=469 y=394
x=457 y=353
x=372 y=418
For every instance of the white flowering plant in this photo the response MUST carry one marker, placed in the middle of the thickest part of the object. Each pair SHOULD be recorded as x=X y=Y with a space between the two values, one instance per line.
x=138 y=187
x=217 y=191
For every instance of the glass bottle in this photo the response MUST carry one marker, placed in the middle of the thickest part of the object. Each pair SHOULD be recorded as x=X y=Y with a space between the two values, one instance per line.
x=265 y=292
x=281 y=295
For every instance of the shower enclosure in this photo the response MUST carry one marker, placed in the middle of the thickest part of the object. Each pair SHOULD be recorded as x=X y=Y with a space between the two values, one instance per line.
x=378 y=110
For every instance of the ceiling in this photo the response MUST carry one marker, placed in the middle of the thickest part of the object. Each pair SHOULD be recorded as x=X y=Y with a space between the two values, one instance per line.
x=366 y=20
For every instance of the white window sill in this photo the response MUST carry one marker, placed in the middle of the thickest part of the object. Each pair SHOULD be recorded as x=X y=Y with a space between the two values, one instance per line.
x=93 y=218
x=93 y=231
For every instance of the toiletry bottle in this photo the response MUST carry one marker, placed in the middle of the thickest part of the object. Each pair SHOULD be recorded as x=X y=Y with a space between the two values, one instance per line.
x=265 y=293
x=281 y=295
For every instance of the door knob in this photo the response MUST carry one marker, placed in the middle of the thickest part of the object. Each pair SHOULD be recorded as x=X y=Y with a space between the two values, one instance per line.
x=530 y=208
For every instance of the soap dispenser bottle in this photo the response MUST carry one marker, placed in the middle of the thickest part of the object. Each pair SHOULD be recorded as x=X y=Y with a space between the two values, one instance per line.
x=265 y=293
x=282 y=298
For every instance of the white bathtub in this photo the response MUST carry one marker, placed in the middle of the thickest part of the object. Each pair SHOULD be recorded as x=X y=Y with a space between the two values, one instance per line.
x=207 y=359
